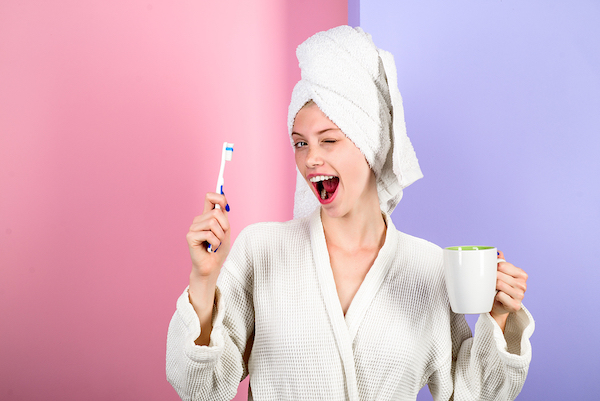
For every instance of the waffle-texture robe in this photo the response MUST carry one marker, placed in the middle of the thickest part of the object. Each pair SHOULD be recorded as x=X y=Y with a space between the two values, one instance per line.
x=276 y=296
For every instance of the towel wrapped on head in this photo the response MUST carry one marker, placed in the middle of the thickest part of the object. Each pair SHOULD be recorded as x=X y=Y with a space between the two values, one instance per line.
x=354 y=83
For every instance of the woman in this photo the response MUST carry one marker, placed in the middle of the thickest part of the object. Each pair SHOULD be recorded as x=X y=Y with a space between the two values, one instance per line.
x=338 y=304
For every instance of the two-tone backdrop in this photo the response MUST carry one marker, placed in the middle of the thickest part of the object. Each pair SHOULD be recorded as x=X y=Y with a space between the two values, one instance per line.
x=112 y=115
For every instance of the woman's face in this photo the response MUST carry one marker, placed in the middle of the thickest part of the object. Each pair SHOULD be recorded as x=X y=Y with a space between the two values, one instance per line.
x=331 y=164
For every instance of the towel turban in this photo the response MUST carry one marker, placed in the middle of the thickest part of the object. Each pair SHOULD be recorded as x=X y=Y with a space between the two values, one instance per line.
x=354 y=83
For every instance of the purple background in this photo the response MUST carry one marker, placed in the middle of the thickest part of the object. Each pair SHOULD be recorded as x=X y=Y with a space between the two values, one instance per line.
x=502 y=102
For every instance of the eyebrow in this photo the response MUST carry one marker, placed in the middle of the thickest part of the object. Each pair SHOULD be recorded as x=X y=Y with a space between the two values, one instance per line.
x=320 y=132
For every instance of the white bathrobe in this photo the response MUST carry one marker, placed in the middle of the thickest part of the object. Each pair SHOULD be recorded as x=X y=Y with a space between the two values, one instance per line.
x=398 y=335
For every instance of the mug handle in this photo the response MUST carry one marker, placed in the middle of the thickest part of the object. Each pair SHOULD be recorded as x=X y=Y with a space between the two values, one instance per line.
x=498 y=261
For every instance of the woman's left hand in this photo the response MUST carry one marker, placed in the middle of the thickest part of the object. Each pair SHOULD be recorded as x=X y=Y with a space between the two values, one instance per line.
x=511 y=285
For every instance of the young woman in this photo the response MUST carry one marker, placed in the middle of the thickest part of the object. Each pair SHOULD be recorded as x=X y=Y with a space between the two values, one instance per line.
x=339 y=305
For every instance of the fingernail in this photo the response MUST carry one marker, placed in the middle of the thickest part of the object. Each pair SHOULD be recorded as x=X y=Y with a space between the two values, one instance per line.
x=496 y=252
x=227 y=208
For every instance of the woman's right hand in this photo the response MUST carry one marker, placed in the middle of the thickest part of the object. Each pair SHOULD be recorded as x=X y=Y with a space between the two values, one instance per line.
x=212 y=227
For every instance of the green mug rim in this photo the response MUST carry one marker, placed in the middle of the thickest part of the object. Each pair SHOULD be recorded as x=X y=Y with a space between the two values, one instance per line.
x=469 y=248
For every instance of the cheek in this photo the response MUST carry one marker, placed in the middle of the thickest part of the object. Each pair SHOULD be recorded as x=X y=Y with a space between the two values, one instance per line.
x=358 y=173
x=299 y=160
x=359 y=164
x=363 y=173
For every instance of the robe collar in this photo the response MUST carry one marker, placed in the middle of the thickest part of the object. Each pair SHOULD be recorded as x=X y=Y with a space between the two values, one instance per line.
x=346 y=327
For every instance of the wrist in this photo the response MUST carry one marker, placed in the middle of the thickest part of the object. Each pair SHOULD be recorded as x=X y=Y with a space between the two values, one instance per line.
x=201 y=278
x=500 y=318
x=201 y=294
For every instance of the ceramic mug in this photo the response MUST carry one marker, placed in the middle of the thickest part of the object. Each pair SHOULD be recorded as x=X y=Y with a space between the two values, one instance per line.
x=471 y=273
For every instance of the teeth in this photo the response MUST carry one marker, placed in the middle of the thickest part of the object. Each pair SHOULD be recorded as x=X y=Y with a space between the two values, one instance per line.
x=319 y=178
x=323 y=194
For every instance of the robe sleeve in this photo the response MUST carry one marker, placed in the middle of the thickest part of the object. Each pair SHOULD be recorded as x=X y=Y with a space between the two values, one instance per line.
x=491 y=365
x=213 y=372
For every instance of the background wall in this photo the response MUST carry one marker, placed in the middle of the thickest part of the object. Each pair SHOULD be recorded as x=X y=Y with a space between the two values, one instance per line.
x=502 y=103
x=112 y=117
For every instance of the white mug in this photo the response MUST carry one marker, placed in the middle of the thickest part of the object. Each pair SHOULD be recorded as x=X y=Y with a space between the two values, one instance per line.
x=471 y=273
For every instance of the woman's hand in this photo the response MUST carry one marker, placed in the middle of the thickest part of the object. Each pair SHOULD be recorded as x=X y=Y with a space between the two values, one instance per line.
x=511 y=284
x=212 y=227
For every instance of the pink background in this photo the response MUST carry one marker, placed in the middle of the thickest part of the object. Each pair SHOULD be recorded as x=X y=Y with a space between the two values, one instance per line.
x=112 y=117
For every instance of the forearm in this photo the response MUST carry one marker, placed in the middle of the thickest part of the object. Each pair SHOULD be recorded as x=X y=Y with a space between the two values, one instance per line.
x=201 y=373
x=493 y=365
x=202 y=297
x=500 y=319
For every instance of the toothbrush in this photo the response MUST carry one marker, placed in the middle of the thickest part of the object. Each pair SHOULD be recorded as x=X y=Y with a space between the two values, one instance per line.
x=225 y=156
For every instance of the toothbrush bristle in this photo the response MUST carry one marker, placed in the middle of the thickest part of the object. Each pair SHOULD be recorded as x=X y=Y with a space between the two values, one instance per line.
x=228 y=151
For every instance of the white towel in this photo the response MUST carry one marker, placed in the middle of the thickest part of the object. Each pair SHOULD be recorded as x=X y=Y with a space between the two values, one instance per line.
x=355 y=84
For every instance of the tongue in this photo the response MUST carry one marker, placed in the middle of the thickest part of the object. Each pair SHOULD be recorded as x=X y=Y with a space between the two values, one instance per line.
x=331 y=185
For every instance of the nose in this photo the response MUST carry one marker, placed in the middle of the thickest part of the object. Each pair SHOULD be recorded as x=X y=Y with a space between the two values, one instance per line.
x=313 y=157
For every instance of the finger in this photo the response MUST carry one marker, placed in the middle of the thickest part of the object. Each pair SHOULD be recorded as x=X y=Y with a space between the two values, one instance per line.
x=511 y=280
x=509 y=303
x=215 y=227
x=505 y=278
x=211 y=199
x=212 y=225
x=512 y=270
x=519 y=282
x=500 y=255
x=512 y=290
x=221 y=216
x=513 y=276
x=208 y=219
x=198 y=239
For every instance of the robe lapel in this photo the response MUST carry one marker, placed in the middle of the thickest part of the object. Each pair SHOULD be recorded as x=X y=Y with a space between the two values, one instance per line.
x=345 y=328
x=332 y=303
x=373 y=280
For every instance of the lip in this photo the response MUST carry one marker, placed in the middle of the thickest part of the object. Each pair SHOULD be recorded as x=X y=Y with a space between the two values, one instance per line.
x=313 y=186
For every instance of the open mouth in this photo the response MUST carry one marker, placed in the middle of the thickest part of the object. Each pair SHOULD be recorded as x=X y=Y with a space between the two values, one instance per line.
x=325 y=186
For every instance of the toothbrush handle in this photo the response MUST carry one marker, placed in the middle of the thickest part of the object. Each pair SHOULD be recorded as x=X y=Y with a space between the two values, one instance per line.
x=220 y=192
x=217 y=206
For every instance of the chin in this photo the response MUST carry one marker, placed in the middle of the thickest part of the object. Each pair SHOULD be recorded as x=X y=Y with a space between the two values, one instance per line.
x=336 y=211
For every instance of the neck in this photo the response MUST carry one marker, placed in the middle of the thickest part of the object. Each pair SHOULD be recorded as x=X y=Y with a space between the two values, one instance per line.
x=357 y=230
